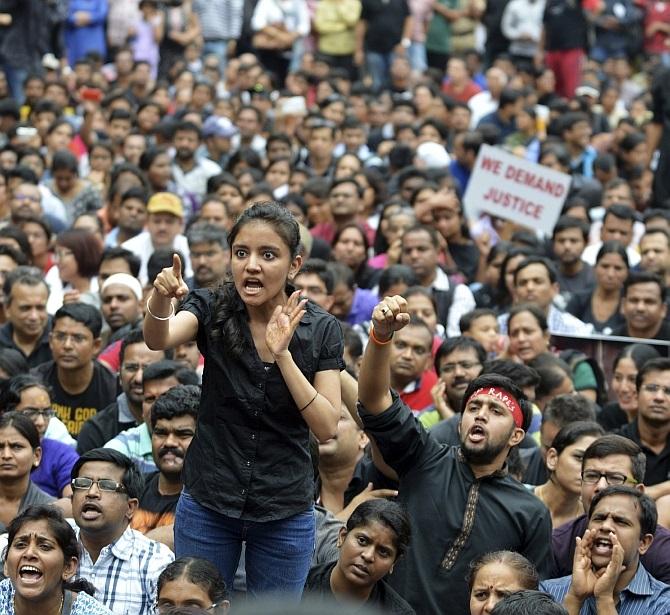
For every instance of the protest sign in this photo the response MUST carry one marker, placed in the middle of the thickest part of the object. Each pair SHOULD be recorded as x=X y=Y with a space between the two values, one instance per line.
x=515 y=189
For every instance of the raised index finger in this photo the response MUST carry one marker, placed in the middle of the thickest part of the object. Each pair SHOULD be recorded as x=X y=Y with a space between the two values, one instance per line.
x=176 y=266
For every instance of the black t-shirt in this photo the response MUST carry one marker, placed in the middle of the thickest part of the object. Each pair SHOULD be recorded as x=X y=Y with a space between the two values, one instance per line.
x=660 y=92
x=385 y=20
x=155 y=510
x=612 y=417
x=382 y=597
x=580 y=307
x=466 y=257
x=250 y=457
x=565 y=25
x=75 y=410
x=663 y=334
x=658 y=465
x=101 y=428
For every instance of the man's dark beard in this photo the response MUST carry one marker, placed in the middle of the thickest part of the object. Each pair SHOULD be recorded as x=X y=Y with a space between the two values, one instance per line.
x=486 y=454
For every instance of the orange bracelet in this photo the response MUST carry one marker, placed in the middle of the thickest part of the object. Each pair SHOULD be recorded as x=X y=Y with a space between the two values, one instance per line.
x=376 y=340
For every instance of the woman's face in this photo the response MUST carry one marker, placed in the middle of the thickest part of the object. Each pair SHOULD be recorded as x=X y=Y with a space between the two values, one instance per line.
x=35 y=562
x=181 y=593
x=347 y=166
x=350 y=248
x=89 y=222
x=567 y=467
x=397 y=225
x=421 y=306
x=246 y=182
x=512 y=264
x=101 y=160
x=65 y=180
x=68 y=268
x=261 y=263
x=526 y=338
x=60 y=137
x=159 y=172
x=34 y=399
x=611 y=272
x=491 y=584
x=623 y=384
x=17 y=458
x=492 y=272
x=278 y=174
x=37 y=238
x=367 y=553
x=232 y=198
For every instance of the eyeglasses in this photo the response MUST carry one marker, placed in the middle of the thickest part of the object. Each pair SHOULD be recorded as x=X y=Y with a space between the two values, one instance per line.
x=655 y=388
x=450 y=368
x=591 y=477
x=33 y=413
x=60 y=254
x=104 y=484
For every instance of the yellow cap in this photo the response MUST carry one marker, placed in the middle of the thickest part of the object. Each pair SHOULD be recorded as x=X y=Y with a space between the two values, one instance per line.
x=165 y=203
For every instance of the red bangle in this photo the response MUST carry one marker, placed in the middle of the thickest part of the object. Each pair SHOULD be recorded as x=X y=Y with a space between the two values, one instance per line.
x=376 y=340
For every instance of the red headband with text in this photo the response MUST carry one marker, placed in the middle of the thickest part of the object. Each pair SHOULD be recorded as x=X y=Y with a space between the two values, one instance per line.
x=506 y=398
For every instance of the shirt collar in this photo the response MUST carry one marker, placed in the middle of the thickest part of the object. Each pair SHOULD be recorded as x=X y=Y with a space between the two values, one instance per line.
x=121 y=548
x=441 y=281
x=640 y=584
x=125 y=415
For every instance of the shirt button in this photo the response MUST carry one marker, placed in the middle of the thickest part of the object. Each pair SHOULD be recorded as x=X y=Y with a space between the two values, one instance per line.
x=260 y=385
x=248 y=463
x=255 y=412
x=244 y=491
x=253 y=436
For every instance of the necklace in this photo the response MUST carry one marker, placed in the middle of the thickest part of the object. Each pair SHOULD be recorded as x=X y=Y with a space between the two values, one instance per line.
x=60 y=608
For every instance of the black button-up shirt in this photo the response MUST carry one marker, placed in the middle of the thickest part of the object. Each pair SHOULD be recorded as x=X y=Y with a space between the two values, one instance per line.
x=250 y=458
x=40 y=354
x=455 y=516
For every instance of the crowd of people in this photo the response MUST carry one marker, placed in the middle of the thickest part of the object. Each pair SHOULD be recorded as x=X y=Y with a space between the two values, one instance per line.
x=256 y=341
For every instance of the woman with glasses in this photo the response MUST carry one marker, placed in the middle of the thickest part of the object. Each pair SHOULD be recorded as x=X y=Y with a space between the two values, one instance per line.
x=561 y=494
x=29 y=396
x=40 y=563
x=20 y=454
x=74 y=276
x=191 y=582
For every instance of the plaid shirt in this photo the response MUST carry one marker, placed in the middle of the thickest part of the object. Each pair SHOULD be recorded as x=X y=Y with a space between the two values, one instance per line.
x=126 y=572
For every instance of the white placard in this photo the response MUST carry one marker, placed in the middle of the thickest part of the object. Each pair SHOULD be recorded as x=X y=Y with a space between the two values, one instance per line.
x=509 y=187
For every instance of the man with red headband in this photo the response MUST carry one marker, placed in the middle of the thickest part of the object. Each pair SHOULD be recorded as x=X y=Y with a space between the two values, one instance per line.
x=461 y=499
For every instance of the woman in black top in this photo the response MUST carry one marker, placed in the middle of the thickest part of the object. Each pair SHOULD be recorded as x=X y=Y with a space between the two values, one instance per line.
x=376 y=536
x=272 y=363
x=600 y=305
x=625 y=367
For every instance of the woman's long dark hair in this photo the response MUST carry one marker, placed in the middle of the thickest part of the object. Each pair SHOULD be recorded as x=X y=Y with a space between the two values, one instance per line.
x=230 y=315
x=62 y=532
x=198 y=571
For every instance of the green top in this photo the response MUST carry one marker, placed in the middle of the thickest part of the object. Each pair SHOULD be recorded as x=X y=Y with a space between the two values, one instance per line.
x=438 y=37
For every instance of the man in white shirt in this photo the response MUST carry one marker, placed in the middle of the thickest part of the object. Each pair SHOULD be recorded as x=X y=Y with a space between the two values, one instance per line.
x=165 y=218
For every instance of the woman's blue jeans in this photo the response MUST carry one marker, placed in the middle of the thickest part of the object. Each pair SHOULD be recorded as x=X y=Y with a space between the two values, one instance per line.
x=278 y=553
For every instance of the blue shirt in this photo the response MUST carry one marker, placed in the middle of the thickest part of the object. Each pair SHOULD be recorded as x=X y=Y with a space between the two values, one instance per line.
x=644 y=595
x=362 y=305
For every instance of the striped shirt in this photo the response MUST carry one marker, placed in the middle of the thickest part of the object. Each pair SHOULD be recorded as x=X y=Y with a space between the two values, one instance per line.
x=126 y=572
x=644 y=595
x=219 y=19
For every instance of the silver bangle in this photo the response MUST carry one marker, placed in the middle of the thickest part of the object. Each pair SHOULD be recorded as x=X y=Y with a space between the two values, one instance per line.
x=163 y=318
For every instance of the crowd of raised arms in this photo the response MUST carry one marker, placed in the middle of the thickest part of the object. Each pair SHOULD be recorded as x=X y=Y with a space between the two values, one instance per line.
x=272 y=341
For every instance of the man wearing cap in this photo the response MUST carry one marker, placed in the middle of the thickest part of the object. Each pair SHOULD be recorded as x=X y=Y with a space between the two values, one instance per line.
x=165 y=217
x=217 y=133
x=462 y=498
x=121 y=296
x=191 y=173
